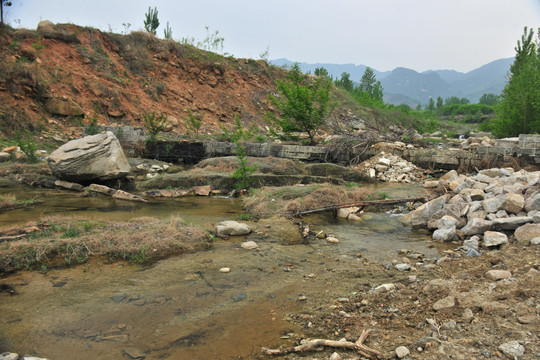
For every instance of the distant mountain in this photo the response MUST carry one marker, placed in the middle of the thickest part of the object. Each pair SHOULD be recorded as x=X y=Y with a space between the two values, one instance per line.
x=403 y=85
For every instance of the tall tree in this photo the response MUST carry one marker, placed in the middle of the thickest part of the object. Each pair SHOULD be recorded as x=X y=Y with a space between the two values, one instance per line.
x=151 y=21
x=167 y=32
x=2 y=4
x=518 y=112
x=488 y=99
x=321 y=71
x=368 y=81
x=439 y=104
x=431 y=105
x=304 y=103
x=345 y=82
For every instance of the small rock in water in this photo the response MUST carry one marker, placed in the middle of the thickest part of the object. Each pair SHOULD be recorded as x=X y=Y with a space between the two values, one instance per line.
x=473 y=253
x=225 y=270
x=134 y=353
x=402 y=351
x=249 y=245
x=239 y=297
x=332 y=240
x=118 y=298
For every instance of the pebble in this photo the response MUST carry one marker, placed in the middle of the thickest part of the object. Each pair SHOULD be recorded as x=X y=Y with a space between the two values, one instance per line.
x=512 y=348
x=335 y=356
x=332 y=240
x=225 y=270
x=445 y=303
x=384 y=288
x=402 y=351
x=468 y=315
x=403 y=267
x=496 y=275
x=248 y=245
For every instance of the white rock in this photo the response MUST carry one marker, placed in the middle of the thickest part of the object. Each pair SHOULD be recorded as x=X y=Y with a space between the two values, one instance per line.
x=225 y=270
x=9 y=356
x=497 y=275
x=230 y=227
x=335 y=356
x=384 y=288
x=494 y=238
x=249 y=245
x=535 y=241
x=402 y=351
x=332 y=240
x=513 y=349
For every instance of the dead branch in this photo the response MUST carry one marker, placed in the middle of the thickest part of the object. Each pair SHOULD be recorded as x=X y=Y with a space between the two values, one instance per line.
x=312 y=345
x=362 y=204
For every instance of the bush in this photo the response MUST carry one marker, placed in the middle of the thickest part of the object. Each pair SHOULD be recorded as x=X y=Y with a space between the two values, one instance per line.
x=153 y=124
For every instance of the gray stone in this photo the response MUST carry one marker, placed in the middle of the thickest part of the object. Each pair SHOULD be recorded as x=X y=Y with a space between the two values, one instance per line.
x=403 y=267
x=535 y=241
x=424 y=213
x=513 y=203
x=477 y=226
x=447 y=222
x=468 y=315
x=513 y=349
x=445 y=234
x=384 y=288
x=446 y=303
x=402 y=351
x=493 y=205
x=230 y=227
x=497 y=275
x=510 y=223
x=249 y=245
x=343 y=213
x=524 y=234
x=471 y=243
x=473 y=253
x=494 y=238
x=97 y=157
x=483 y=178
x=493 y=173
x=533 y=203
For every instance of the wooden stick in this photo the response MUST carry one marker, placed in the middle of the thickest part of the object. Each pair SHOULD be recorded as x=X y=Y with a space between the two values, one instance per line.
x=363 y=203
x=312 y=345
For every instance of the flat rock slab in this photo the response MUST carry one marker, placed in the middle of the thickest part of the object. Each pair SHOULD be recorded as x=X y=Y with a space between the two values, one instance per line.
x=446 y=303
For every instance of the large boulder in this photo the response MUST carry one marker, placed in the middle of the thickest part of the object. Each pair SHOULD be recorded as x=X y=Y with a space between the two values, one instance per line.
x=420 y=217
x=230 y=227
x=92 y=158
x=64 y=107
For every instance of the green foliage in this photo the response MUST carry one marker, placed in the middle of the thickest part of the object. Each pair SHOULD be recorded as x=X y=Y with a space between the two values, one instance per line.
x=345 y=82
x=27 y=145
x=153 y=124
x=151 y=21
x=38 y=45
x=320 y=71
x=518 y=111
x=368 y=93
x=92 y=128
x=304 y=104
x=243 y=174
x=167 y=32
x=431 y=105
x=453 y=100
x=194 y=121
x=488 y=99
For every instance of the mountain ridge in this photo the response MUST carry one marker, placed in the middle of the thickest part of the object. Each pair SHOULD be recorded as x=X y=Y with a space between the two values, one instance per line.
x=404 y=85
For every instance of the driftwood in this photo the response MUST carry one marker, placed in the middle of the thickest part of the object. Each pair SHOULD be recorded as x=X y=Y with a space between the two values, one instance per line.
x=362 y=204
x=312 y=345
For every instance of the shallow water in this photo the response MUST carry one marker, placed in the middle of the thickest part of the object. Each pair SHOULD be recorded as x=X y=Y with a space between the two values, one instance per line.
x=184 y=307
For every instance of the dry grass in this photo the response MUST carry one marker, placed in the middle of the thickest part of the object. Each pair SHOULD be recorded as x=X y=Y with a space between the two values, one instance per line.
x=71 y=241
x=290 y=200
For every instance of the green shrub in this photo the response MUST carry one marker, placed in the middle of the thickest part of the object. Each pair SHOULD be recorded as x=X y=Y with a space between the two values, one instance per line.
x=153 y=124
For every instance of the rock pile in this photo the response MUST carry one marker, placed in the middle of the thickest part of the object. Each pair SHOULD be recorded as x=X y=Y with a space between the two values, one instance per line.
x=489 y=209
x=474 y=142
x=390 y=168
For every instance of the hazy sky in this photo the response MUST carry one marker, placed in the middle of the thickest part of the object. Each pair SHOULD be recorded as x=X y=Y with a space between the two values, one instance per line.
x=384 y=34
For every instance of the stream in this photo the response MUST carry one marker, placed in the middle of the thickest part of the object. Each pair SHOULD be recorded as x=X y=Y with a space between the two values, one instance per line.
x=183 y=307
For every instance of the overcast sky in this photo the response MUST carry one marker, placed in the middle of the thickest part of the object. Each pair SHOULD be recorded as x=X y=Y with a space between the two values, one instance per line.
x=384 y=34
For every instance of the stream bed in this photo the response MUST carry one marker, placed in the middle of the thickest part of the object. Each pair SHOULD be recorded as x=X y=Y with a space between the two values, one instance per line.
x=183 y=307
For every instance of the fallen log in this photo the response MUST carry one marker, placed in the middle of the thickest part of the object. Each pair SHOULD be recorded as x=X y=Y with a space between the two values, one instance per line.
x=362 y=204
x=312 y=345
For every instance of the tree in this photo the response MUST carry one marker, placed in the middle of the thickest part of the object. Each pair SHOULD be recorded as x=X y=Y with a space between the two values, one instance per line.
x=151 y=23
x=2 y=4
x=488 y=99
x=439 y=104
x=167 y=32
x=345 y=82
x=431 y=105
x=368 y=81
x=518 y=111
x=320 y=71
x=303 y=103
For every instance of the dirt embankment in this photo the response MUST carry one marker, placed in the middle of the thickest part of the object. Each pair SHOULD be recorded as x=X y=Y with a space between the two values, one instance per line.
x=54 y=79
